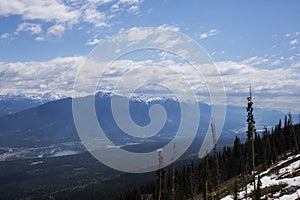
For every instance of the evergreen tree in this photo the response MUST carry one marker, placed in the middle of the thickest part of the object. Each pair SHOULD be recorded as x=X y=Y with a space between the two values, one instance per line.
x=196 y=178
x=235 y=195
x=258 y=189
x=238 y=154
x=190 y=171
x=251 y=132
x=207 y=178
x=292 y=131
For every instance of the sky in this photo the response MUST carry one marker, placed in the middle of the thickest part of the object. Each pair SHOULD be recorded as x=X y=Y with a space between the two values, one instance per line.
x=43 y=43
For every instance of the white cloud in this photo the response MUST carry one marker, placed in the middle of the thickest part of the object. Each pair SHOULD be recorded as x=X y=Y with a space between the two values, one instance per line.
x=130 y=1
x=294 y=42
x=93 y=16
x=93 y=41
x=30 y=27
x=136 y=34
x=217 y=53
x=267 y=61
x=31 y=78
x=296 y=65
x=273 y=88
x=133 y=8
x=50 y=10
x=276 y=62
x=293 y=34
x=4 y=36
x=115 y=7
x=139 y=33
x=56 y=30
x=256 y=60
x=100 y=1
x=60 y=13
x=40 y=38
x=169 y=27
x=210 y=33
x=11 y=7
x=167 y=41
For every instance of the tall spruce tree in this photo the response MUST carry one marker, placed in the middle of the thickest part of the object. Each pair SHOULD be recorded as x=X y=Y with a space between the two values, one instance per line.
x=292 y=131
x=251 y=131
x=235 y=195
x=258 y=189
x=268 y=148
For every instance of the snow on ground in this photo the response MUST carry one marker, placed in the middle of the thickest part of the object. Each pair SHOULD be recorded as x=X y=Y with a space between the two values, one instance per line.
x=64 y=153
x=285 y=175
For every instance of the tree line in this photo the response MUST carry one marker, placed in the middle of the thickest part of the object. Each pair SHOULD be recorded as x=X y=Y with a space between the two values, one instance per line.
x=204 y=178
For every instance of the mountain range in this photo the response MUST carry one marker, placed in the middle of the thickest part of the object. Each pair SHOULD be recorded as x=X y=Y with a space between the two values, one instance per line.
x=43 y=125
x=11 y=103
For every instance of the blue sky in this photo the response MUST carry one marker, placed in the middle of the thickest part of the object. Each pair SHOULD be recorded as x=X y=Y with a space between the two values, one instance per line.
x=42 y=42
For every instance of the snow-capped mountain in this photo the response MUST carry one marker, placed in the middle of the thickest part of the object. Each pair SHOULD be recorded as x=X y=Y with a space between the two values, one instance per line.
x=12 y=103
x=45 y=124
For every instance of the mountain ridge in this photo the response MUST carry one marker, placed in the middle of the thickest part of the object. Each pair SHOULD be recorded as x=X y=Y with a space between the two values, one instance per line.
x=55 y=119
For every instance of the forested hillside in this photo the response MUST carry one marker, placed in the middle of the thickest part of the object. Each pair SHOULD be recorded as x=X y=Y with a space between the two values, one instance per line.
x=222 y=173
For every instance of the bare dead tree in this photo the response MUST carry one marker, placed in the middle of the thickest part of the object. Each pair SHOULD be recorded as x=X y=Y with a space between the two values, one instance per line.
x=160 y=161
x=217 y=172
x=173 y=172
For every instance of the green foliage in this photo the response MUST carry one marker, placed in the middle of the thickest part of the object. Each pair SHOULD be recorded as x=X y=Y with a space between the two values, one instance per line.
x=81 y=176
x=258 y=189
x=194 y=179
x=235 y=195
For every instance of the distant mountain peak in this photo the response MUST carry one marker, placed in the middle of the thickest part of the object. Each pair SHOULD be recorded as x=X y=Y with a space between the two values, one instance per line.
x=148 y=99
x=45 y=97
x=136 y=97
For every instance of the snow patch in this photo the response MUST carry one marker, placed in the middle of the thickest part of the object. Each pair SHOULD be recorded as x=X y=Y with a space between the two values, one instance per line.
x=285 y=176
